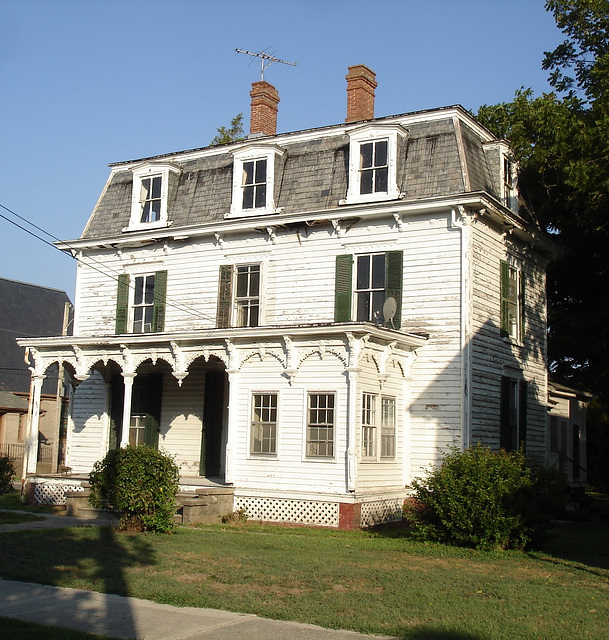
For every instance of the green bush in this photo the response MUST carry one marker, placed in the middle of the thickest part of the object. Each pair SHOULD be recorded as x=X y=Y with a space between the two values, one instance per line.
x=141 y=483
x=7 y=472
x=482 y=499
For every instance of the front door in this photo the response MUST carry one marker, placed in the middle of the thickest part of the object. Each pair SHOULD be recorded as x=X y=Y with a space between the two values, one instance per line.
x=213 y=416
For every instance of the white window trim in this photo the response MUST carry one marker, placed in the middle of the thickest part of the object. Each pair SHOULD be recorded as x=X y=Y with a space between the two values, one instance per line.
x=518 y=268
x=254 y=151
x=262 y=456
x=321 y=459
x=234 y=307
x=378 y=400
x=372 y=133
x=150 y=170
x=131 y=301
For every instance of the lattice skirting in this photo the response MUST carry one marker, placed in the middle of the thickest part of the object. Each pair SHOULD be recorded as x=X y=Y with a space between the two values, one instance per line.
x=381 y=511
x=292 y=511
x=319 y=513
x=51 y=492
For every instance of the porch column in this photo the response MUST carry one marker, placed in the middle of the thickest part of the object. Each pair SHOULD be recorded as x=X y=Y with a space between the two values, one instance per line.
x=128 y=381
x=31 y=437
x=231 y=427
x=351 y=429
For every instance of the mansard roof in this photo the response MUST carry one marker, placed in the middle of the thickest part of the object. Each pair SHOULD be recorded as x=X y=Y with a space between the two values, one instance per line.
x=444 y=154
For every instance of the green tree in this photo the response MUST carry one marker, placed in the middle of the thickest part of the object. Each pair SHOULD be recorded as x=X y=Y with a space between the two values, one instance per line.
x=234 y=133
x=561 y=141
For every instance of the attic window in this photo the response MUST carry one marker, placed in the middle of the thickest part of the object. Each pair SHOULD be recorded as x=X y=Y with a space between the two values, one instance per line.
x=149 y=199
x=373 y=158
x=254 y=172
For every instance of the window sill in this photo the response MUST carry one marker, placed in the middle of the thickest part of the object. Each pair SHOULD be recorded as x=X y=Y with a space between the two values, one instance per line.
x=144 y=226
x=252 y=213
x=371 y=198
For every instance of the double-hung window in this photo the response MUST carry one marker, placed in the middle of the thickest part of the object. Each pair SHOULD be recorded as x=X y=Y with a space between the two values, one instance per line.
x=364 y=285
x=374 y=168
x=140 y=303
x=263 y=439
x=512 y=302
x=320 y=425
x=149 y=201
x=143 y=303
x=370 y=288
x=373 y=163
x=238 y=296
x=254 y=168
x=378 y=427
x=513 y=413
x=254 y=184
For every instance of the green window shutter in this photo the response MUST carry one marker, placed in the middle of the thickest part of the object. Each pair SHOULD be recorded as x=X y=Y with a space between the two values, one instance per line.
x=122 y=303
x=343 y=284
x=505 y=296
x=505 y=435
x=160 y=295
x=522 y=307
x=225 y=296
x=393 y=285
x=522 y=414
x=151 y=432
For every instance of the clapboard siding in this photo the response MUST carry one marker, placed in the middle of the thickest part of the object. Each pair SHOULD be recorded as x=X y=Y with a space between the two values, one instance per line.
x=494 y=356
x=88 y=440
x=182 y=419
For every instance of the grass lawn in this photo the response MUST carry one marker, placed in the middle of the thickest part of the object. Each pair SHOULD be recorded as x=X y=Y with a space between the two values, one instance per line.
x=371 y=582
x=19 y=630
x=12 y=501
x=6 y=517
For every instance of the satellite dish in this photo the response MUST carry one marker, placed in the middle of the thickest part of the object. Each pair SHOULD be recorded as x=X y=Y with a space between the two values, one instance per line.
x=389 y=309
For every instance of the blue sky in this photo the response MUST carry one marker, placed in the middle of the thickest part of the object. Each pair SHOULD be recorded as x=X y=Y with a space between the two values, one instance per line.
x=90 y=82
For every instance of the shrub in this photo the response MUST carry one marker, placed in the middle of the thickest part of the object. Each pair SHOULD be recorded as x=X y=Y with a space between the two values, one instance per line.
x=7 y=472
x=141 y=483
x=482 y=499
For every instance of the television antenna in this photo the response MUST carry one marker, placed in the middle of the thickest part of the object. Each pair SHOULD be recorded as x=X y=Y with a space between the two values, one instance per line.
x=265 y=56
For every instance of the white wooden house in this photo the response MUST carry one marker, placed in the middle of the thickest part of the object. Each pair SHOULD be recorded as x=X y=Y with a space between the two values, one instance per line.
x=311 y=318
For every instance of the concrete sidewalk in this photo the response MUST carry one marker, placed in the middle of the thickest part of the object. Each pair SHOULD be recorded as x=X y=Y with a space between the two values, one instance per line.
x=119 y=617
x=51 y=521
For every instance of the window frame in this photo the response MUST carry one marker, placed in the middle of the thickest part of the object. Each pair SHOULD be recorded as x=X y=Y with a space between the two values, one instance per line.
x=513 y=406
x=308 y=425
x=252 y=425
x=145 y=172
x=346 y=291
x=374 y=433
x=373 y=133
x=228 y=309
x=254 y=152
x=512 y=305
x=125 y=306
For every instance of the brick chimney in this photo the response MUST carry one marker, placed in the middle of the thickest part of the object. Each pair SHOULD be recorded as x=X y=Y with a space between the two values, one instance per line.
x=264 y=108
x=360 y=93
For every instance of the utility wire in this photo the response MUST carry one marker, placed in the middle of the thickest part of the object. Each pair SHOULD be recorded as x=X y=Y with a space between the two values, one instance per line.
x=74 y=250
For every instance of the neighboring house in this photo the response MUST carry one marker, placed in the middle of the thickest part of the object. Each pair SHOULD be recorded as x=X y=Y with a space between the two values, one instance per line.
x=28 y=310
x=311 y=318
x=566 y=439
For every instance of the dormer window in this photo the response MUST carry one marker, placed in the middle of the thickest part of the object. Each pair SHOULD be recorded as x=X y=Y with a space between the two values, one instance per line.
x=150 y=199
x=151 y=187
x=509 y=186
x=373 y=153
x=374 y=170
x=254 y=180
x=254 y=184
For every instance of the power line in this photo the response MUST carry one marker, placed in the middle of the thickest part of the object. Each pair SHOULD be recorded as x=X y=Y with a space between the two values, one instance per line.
x=107 y=271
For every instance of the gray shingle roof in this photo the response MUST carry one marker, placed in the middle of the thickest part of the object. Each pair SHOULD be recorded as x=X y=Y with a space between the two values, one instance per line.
x=311 y=175
x=26 y=310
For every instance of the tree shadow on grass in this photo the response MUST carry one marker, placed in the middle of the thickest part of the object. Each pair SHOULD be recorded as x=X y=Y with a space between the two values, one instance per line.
x=578 y=546
x=94 y=558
